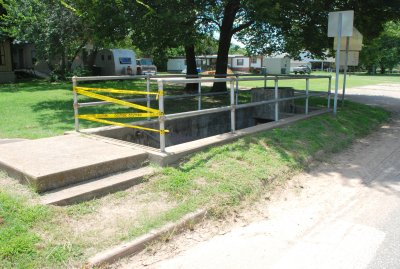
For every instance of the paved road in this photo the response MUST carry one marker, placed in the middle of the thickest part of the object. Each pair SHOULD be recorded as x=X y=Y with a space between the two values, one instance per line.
x=346 y=214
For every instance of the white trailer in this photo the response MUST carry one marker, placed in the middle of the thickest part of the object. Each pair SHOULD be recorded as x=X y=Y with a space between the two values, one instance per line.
x=176 y=64
x=277 y=65
x=114 y=62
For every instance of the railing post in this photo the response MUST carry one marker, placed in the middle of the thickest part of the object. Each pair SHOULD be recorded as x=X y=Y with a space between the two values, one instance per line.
x=199 y=92
x=148 y=91
x=276 y=100
x=76 y=104
x=237 y=89
x=161 y=118
x=265 y=81
x=329 y=92
x=307 y=89
x=233 y=107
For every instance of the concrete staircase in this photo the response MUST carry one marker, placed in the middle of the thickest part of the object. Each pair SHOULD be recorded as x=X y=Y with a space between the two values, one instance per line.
x=73 y=168
x=96 y=188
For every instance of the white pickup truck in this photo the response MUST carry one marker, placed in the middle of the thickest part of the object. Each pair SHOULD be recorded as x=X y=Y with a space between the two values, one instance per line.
x=302 y=69
x=145 y=66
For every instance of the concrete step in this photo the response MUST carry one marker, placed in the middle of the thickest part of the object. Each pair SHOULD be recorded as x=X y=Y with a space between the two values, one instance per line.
x=51 y=163
x=96 y=188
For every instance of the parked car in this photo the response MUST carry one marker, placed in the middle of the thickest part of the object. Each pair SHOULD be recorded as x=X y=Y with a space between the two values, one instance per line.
x=302 y=69
x=145 y=66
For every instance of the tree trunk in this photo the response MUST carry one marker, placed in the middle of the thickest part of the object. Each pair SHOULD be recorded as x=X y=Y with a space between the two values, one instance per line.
x=63 y=63
x=191 y=68
x=383 y=70
x=224 y=44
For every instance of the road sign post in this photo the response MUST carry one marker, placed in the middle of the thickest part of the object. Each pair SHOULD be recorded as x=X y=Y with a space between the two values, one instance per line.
x=339 y=24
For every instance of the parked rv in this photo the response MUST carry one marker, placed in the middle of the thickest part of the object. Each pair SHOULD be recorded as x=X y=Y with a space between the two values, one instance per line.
x=145 y=66
x=115 y=62
x=176 y=64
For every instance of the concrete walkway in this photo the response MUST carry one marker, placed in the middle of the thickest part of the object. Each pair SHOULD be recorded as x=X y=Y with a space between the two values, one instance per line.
x=51 y=163
x=345 y=215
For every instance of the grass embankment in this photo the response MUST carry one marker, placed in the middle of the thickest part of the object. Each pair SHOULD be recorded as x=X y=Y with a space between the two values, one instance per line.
x=218 y=179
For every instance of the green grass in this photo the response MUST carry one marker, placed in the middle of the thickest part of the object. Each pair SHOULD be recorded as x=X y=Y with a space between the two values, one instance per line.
x=219 y=179
x=20 y=244
x=42 y=109
x=353 y=80
x=225 y=175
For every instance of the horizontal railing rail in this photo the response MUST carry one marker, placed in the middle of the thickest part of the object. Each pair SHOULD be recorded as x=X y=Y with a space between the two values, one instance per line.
x=233 y=92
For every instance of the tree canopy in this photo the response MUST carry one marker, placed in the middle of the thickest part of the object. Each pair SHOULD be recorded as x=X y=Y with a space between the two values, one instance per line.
x=158 y=27
x=384 y=50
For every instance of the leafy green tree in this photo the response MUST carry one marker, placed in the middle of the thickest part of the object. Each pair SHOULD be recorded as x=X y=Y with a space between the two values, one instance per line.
x=60 y=29
x=170 y=25
x=383 y=51
x=55 y=30
x=267 y=26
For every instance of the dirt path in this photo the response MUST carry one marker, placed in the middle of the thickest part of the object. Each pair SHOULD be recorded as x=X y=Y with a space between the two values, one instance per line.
x=345 y=213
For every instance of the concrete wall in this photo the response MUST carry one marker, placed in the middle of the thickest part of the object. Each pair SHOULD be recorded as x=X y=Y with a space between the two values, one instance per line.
x=197 y=127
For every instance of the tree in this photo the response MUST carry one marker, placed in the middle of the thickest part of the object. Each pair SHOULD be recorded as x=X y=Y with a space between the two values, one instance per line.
x=383 y=51
x=266 y=26
x=170 y=25
x=60 y=29
x=54 y=30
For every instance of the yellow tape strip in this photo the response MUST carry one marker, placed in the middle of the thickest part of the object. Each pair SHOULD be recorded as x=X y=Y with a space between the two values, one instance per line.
x=115 y=101
x=122 y=124
x=111 y=90
x=122 y=115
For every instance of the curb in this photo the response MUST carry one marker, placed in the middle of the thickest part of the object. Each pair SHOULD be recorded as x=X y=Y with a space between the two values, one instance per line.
x=126 y=249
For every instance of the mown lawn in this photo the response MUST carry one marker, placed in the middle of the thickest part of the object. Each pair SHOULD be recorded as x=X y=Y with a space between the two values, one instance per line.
x=42 y=109
x=219 y=179
x=353 y=80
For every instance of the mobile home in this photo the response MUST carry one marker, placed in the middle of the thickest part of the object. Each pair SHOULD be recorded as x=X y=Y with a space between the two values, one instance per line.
x=176 y=64
x=114 y=62
x=240 y=63
x=278 y=65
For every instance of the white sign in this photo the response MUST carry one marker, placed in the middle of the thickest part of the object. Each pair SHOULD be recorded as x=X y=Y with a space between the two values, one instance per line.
x=355 y=42
x=347 y=23
x=352 y=60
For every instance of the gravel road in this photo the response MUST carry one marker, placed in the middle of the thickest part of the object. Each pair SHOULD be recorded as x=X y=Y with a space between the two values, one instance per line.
x=344 y=213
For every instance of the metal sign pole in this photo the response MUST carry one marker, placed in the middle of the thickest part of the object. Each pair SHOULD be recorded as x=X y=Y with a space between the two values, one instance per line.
x=345 y=69
x=337 y=64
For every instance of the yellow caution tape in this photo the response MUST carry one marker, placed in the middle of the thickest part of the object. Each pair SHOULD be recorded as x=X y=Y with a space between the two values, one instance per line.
x=114 y=100
x=87 y=117
x=111 y=90
x=150 y=112
x=123 y=115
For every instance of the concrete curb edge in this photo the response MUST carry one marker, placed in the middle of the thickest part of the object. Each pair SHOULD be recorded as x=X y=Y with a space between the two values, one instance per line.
x=129 y=248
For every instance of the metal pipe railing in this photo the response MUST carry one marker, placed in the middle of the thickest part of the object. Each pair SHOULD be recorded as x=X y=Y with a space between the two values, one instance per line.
x=276 y=100
x=233 y=80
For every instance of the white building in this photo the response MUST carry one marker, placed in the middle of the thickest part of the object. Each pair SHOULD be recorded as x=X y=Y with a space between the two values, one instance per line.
x=238 y=63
